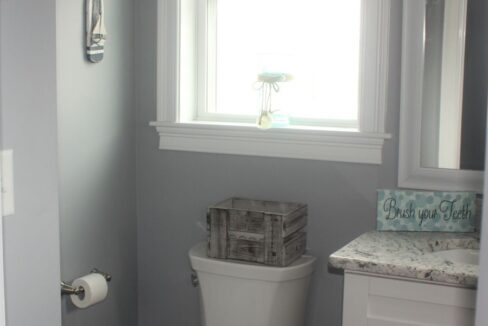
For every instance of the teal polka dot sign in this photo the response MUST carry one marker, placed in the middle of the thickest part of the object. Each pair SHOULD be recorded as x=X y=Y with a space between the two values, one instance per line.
x=405 y=210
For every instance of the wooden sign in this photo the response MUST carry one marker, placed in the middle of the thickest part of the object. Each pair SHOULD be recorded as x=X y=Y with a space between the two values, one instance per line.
x=405 y=210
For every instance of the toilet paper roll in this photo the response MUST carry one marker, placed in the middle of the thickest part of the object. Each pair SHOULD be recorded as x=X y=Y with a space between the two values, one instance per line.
x=96 y=290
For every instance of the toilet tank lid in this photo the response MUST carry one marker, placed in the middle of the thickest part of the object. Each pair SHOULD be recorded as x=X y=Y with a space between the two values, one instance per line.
x=201 y=263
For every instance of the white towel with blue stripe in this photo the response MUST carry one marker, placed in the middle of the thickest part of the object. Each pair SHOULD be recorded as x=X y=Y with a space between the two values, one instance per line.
x=96 y=33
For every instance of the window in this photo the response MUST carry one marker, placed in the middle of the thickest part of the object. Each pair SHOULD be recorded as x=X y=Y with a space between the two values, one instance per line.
x=332 y=56
x=245 y=38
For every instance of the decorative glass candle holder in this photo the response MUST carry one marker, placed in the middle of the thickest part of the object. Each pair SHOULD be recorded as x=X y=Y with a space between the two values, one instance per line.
x=268 y=82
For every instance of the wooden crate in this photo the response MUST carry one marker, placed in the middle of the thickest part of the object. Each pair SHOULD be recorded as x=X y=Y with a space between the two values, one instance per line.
x=266 y=232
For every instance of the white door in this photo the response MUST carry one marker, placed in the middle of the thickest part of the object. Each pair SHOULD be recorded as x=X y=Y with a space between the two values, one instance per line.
x=482 y=301
x=2 y=284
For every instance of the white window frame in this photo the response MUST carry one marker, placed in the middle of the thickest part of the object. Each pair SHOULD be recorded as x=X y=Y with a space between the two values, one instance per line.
x=178 y=129
x=205 y=105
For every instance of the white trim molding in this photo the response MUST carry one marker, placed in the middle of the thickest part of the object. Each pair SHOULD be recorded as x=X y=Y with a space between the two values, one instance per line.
x=411 y=174
x=311 y=144
x=179 y=130
x=375 y=38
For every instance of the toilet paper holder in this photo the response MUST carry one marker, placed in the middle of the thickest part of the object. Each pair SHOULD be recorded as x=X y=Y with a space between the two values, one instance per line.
x=68 y=289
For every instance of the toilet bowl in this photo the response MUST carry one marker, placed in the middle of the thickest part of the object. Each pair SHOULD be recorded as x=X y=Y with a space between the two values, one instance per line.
x=236 y=293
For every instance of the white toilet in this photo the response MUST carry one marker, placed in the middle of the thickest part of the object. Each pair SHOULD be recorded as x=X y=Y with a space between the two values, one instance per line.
x=245 y=294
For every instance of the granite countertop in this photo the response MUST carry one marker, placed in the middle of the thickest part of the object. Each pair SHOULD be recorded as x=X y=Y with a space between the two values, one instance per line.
x=406 y=254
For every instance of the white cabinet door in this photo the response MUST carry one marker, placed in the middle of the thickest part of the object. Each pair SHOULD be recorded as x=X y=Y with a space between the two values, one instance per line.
x=377 y=301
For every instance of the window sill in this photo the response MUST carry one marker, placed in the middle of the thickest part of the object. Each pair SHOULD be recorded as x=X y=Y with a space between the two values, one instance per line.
x=300 y=143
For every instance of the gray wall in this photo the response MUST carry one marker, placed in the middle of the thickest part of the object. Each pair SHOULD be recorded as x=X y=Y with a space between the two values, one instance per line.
x=174 y=189
x=97 y=162
x=475 y=87
x=28 y=126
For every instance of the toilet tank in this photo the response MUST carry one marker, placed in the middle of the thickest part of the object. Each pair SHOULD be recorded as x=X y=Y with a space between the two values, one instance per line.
x=245 y=294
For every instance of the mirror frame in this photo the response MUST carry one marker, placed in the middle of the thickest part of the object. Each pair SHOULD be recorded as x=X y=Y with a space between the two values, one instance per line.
x=410 y=173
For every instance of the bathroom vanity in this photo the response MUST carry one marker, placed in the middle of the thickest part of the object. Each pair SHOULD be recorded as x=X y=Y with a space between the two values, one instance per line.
x=409 y=278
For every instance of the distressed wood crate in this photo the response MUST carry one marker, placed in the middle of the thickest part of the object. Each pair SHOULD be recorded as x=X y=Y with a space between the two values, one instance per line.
x=265 y=232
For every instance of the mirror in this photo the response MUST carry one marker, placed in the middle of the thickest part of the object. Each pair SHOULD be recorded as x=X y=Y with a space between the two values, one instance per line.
x=454 y=96
x=444 y=94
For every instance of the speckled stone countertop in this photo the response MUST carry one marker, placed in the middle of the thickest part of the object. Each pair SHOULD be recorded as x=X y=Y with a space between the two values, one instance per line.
x=406 y=254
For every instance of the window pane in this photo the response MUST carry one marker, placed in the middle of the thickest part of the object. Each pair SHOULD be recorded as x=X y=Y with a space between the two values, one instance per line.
x=316 y=41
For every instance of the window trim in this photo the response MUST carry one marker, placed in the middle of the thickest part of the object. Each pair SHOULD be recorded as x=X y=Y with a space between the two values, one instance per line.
x=209 y=117
x=180 y=132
